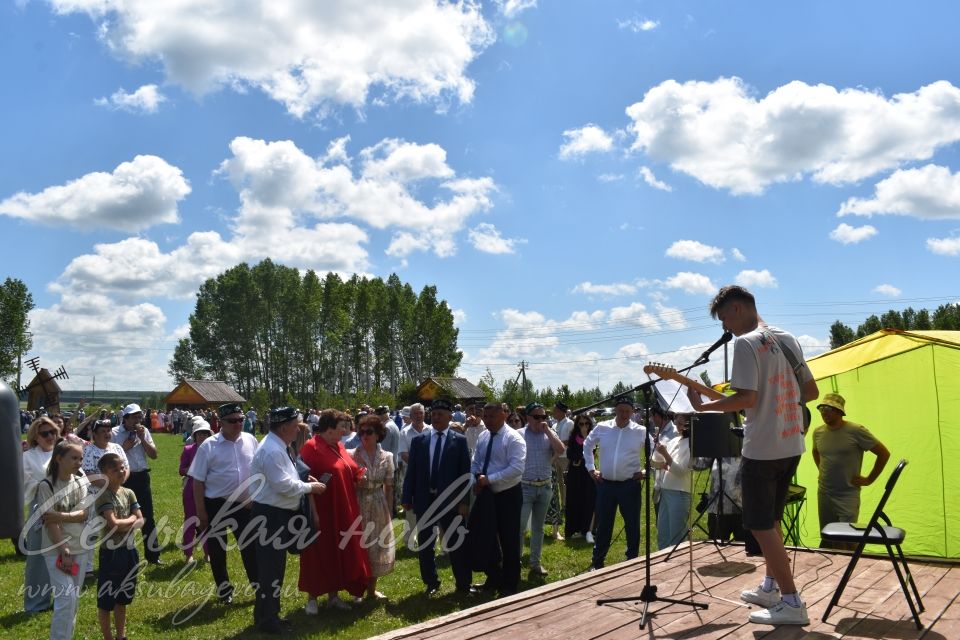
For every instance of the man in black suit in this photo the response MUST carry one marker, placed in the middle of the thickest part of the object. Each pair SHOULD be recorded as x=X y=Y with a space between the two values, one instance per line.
x=437 y=488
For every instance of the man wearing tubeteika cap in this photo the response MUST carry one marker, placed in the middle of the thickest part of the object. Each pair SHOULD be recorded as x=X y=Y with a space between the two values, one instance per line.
x=621 y=443
x=838 y=447
x=219 y=470
x=437 y=486
x=138 y=444
x=275 y=503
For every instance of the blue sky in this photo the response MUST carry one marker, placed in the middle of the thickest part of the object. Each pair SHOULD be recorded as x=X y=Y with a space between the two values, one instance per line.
x=577 y=178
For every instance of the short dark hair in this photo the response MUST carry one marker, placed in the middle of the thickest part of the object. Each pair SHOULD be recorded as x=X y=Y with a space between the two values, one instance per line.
x=329 y=419
x=374 y=423
x=108 y=461
x=731 y=293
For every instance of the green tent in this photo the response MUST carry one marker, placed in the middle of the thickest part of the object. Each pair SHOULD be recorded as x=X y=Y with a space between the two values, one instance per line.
x=905 y=387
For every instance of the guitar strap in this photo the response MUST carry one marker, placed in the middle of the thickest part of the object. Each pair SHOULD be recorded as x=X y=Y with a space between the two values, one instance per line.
x=796 y=364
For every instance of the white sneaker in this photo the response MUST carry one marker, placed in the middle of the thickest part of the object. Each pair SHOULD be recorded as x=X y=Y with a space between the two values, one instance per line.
x=781 y=613
x=589 y=538
x=311 y=608
x=760 y=597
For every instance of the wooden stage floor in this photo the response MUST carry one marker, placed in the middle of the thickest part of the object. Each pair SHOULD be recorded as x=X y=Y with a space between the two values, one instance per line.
x=872 y=605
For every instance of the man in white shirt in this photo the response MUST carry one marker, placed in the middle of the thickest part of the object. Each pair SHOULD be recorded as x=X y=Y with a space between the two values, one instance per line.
x=138 y=444
x=219 y=470
x=274 y=505
x=766 y=388
x=621 y=443
x=498 y=465
x=415 y=414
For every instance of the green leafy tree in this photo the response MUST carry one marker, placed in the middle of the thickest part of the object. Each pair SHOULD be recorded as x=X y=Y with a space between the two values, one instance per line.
x=16 y=303
x=184 y=364
x=840 y=334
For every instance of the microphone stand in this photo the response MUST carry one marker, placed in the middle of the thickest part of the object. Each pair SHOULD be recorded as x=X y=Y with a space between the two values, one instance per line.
x=649 y=592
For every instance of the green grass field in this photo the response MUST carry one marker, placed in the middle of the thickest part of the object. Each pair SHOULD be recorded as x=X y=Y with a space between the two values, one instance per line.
x=167 y=597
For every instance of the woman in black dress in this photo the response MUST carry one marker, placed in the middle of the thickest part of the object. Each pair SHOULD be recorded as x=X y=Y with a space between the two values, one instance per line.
x=581 y=491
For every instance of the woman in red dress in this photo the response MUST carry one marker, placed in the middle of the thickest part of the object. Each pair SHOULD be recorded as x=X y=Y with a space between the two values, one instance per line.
x=325 y=567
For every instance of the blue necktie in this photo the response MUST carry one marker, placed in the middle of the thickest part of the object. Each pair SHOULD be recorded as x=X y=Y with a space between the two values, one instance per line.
x=435 y=467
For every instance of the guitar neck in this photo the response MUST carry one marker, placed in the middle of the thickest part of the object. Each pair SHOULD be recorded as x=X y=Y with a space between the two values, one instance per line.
x=671 y=374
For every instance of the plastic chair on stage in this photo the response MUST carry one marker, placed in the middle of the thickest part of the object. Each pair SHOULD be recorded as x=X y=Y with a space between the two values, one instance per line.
x=876 y=533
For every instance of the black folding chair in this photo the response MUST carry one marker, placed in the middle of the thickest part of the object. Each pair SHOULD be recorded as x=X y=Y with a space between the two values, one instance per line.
x=876 y=533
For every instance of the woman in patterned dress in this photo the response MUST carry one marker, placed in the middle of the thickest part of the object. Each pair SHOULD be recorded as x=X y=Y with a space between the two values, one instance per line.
x=375 y=494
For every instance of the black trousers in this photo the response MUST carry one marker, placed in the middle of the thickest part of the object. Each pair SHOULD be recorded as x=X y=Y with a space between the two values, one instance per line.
x=271 y=562
x=459 y=560
x=506 y=576
x=228 y=516
x=139 y=483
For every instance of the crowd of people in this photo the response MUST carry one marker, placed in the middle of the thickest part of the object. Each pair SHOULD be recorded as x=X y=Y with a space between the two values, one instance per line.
x=470 y=483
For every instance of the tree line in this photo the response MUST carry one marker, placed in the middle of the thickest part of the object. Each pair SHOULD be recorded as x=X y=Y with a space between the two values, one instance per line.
x=271 y=331
x=946 y=317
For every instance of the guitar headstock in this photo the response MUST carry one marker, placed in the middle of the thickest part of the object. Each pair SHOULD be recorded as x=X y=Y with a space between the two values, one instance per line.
x=662 y=370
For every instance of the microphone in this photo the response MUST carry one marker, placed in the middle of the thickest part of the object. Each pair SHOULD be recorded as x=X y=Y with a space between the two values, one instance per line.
x=724 y=339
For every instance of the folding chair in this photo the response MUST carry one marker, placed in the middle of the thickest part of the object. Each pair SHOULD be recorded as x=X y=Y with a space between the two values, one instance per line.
x=875 y=533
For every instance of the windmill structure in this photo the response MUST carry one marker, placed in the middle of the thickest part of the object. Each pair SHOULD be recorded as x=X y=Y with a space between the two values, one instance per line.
x=43 y=390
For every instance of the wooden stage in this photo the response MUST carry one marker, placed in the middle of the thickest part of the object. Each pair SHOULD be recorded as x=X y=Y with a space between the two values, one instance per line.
x=872 y=605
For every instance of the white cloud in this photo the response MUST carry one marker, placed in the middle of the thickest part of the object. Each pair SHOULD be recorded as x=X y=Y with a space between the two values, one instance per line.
x=136 y=195
x=279 y=183
x=404 y=243
x=726 y=137
x=751 y=278
x=613 y=289
x=459 y=317
x=887 y=290
x=486 y=238
x=812 y=346
x=695 y=251
x=944 y=246
x=146 y=99
x=310 y=56
x=638 y=25
x=635 y=313
x=692 y=283
x=651 y=180
x=672 y=317
x=931 y=193
x=586 y=139
x=737 y=255
x=846 y=234
x=633 y=350
x=137 y=267
x=512 y=8
x=91 y=335
x=610 y=177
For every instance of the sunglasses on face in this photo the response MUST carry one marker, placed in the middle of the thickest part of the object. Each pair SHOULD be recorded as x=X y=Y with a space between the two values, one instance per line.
x=46 y=434
x=233 y=420
x=538 y=416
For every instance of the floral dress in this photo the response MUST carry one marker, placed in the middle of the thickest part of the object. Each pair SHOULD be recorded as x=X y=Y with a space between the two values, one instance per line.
x=371 y=493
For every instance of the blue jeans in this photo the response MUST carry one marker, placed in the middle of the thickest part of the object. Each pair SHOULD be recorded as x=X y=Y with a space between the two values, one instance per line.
x=672 y=517
x=535 y=503
x=626 y=496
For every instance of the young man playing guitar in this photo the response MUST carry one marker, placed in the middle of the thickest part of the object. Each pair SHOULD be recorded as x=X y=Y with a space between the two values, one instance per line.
x=766 y=389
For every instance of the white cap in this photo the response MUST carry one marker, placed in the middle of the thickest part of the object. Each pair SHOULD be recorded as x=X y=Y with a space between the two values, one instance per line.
x=405 y=412
x=199 y=424
x=131 y=408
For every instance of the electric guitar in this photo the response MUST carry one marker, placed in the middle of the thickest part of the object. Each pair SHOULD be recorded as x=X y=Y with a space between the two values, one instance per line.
x=669 y=373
